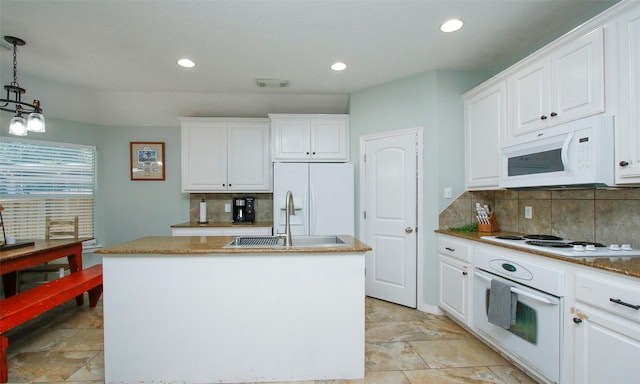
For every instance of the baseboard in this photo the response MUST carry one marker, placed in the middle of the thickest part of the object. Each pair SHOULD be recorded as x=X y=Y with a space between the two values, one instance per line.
x=432 y=309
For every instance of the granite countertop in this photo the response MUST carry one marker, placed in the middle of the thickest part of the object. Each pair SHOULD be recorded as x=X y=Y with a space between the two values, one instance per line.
x=221 y=224
x=629 y=267
x=199 y=245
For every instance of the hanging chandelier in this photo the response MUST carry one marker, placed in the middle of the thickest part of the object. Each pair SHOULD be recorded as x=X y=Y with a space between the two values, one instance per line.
x=14 y=104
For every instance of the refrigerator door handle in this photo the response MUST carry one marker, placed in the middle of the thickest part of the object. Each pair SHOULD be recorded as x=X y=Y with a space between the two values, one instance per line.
x=312 y=212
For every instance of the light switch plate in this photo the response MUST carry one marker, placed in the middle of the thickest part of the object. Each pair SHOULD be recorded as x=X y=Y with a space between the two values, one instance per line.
x=227 y=207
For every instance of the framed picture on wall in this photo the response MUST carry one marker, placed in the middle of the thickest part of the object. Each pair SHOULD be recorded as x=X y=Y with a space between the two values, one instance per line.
x=147 y=160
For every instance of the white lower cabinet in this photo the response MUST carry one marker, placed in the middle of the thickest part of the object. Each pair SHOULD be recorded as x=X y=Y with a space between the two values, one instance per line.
x=456 y=271
x=600 y=342
x=454 y=285
x=607 y=348
x=607 y=329
x=222 y=231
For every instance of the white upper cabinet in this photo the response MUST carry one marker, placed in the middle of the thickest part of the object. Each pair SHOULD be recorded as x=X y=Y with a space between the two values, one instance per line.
x=225 y=154
x=485 y=111
x=565 y=85
x=310 y=137
x=628 y=86
x=249 y=157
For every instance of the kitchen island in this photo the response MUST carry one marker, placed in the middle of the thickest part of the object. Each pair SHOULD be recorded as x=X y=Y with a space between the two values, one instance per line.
x=189 y=310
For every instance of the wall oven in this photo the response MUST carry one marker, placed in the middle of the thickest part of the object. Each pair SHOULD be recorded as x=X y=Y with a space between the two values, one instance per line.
x=535 y=339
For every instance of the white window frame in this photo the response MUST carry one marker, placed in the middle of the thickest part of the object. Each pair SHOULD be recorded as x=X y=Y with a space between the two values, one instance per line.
x=40 y=179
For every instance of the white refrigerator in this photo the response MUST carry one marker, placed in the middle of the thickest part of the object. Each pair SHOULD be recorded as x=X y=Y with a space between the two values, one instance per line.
x=322 y=195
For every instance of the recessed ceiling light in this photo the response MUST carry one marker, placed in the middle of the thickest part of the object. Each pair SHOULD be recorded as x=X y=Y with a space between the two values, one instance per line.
x=186 y=63
x=338 y=66
x=451 y=25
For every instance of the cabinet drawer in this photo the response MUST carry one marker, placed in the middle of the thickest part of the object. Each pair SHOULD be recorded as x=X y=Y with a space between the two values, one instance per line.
x=454 y=248
x=614 y=295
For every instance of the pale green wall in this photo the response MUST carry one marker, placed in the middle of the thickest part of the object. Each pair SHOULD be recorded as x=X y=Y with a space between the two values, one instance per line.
x=433 y=101
x=125 y=209
x=140 y=208
x=128 y=209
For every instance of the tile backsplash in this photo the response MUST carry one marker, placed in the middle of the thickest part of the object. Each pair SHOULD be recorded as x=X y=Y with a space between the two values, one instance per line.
x=216 y=202
x=608 y=216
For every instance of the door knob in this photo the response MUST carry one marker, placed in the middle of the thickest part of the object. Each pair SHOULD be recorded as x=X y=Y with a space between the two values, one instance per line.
x=408 y=229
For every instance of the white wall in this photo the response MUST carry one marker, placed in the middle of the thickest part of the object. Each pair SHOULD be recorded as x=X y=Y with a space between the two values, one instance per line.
x=432 y=100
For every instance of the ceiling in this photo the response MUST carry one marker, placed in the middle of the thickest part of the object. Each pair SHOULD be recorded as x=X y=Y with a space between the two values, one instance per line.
x=114 y=62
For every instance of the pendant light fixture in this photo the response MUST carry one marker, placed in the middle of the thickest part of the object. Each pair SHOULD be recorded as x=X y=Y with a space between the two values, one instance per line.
x=14 y=104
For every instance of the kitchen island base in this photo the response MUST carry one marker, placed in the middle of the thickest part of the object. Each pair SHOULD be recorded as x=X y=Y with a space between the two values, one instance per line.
x=233 y=318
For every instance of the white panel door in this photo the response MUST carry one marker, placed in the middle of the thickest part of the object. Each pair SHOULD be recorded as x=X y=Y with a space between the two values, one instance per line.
x=391 y=217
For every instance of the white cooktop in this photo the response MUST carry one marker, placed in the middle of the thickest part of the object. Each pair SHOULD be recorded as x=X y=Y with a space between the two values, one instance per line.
x=614 y=251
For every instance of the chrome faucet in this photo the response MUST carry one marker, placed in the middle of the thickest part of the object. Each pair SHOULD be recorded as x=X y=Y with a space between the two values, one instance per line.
x=290 y=209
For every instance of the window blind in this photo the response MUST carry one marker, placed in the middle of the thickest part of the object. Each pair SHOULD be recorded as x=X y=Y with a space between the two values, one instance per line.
x=46 y=179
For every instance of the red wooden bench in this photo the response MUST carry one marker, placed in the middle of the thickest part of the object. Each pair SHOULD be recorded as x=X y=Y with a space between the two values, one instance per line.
x=26 y=305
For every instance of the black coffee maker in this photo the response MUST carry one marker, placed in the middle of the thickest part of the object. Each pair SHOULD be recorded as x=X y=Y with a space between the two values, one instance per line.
x=244 y=210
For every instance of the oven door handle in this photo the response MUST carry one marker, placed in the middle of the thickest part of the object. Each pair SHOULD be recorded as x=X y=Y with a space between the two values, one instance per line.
x=519 y=291
x=532 y=297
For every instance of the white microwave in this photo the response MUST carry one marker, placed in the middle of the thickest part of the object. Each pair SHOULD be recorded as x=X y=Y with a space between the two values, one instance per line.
x=579 y=153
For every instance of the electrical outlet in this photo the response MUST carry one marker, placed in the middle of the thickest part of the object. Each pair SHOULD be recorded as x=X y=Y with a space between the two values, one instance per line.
x=227 y=207
x=528 y=212
x=447 y=192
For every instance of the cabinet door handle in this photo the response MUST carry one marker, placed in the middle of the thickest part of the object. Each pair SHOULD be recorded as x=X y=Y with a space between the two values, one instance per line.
x=623 y=163
x=543 y=117
x=577 y=320
x=450 y=249
x=553 y=114
x=464 y=273
x=618 y=301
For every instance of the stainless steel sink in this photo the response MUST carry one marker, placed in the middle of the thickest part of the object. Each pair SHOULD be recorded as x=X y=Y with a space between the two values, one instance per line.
x=276 y=242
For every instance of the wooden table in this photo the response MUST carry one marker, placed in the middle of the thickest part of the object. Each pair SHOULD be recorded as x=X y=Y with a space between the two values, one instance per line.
x=41 y=252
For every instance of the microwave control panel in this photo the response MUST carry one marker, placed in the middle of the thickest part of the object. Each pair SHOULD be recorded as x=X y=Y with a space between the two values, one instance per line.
x=581 y=151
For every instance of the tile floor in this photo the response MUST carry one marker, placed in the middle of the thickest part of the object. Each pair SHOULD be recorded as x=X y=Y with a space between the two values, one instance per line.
x=404 y=346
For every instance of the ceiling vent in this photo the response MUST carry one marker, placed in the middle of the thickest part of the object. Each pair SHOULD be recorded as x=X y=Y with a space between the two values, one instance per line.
x=272 y=83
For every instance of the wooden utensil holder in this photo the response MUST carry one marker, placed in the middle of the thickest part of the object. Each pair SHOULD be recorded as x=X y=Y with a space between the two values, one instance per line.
x=491 y=227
